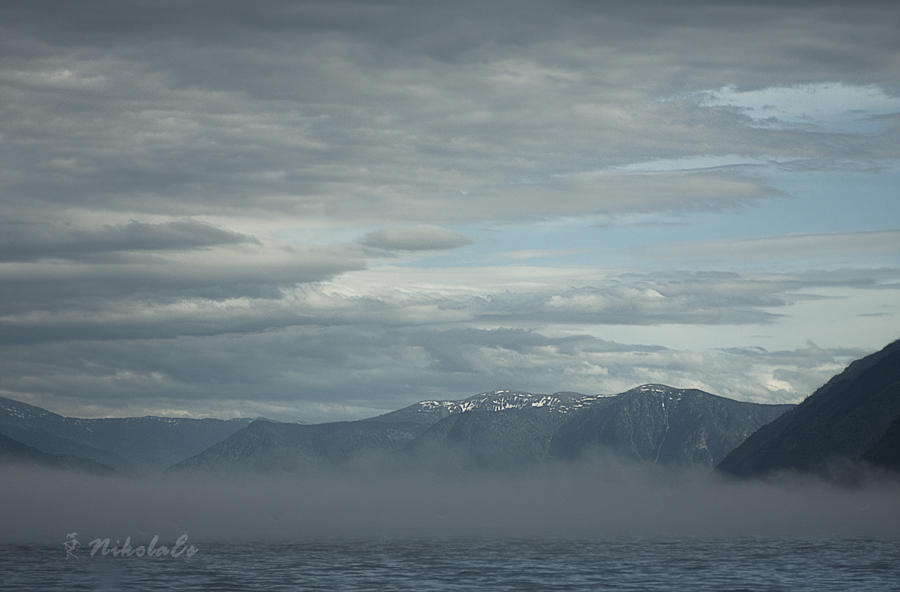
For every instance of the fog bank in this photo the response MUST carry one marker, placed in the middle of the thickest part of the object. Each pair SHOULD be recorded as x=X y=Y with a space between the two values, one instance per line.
x=591 y=499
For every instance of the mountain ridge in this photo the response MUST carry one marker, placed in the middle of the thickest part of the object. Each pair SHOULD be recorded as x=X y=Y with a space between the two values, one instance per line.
x=496 y=429
x=129 y=444
x=849 y=420
x=689 y=426
x=498 y=400
x=13 y=452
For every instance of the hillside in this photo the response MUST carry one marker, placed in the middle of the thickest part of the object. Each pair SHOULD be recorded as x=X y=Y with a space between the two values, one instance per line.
x=496 y=439
x=850 y=419
x=664 y=425
x=131 y=444
x=266 y=446
x=13 y=452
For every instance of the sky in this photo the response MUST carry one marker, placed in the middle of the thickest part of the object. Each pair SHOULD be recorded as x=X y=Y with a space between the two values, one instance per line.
x=322 y=211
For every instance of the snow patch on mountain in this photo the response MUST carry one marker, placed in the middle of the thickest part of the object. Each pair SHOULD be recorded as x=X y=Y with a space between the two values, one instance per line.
x=506 y=399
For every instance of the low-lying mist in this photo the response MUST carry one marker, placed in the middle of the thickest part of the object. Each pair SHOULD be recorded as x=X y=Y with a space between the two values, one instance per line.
x=597 y=498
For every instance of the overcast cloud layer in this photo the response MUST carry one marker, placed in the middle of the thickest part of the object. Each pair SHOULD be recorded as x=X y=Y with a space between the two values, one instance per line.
x=327 y=210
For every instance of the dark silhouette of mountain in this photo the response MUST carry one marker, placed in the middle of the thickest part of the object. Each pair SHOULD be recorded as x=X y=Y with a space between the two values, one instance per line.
x=15 y=452
x=653 y=423
x=885 y=452
x=851 y=418
x=132 y=444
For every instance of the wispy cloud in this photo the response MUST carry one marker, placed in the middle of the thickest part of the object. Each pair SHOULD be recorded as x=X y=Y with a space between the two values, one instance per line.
x=806 y=246
x=833 y=107
x=415 y=238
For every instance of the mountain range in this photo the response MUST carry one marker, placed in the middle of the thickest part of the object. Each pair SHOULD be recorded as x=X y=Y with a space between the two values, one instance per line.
x=850 y=423
x=128 y=445
x=651 y=423
x=15 y=452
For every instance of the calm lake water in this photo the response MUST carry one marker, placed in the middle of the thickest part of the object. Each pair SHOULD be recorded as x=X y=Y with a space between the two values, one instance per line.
x=421 y=565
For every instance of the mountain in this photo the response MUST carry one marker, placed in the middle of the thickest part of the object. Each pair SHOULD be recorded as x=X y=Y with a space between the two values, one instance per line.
x=885 y=452
x=852 y=418
x=132 y=444
x=265 y=446
x=495 y=439
x=653 y=423
x=664 y=425
x=15 y=452
x=430 y=412
x=472 y=424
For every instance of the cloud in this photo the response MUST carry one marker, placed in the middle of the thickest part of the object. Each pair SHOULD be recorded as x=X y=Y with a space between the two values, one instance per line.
x=833 y=107
x=337 y=372
x=805 y=246
x=140 y=291
x=155 y=156
x=415 y=238
x=369 y=341
x=382 y=115
x=28 y=241
x=599 y=497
